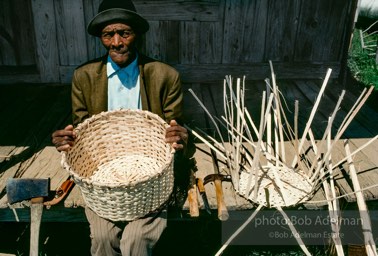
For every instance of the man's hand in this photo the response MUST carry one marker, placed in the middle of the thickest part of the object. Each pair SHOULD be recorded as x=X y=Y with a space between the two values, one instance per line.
x=176 y=135
x=64 y=139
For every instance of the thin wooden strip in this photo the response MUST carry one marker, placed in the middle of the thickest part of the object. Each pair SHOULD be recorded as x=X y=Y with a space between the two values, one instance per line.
x=240 y=229
x=309 y=122
x=342 y=129
x=333 y=206
x=277 y=117
x=356 y=151
x=294 y=231
x=254 y=165
x=327 y=132
x=366 y=222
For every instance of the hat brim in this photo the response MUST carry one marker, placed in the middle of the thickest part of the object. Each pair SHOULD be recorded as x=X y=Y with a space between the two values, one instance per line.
x=137 y=22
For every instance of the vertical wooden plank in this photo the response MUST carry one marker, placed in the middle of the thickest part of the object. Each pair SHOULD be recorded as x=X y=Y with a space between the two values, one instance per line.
x=281 y=27
x=16 y=34
x=46 y=40
x=8 y=52
x=24 y=32
x=94 y=46
x=244 y=31
x=172 y=42
x=189 y=42
x=233 y=21
x=71 y=32
x=178 y=10
x=211 y=38
x=255 y=15
x=321 y=31
x=162 y=41
x=152 y=41
x=211 y=42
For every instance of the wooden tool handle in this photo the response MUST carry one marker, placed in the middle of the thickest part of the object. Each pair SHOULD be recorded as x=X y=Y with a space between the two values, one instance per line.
x=222 y=209
x=200 y=185
x=36 y=209
x=193 y=201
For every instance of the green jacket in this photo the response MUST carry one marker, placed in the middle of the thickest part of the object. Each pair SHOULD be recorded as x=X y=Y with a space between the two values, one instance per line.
x=160 y=88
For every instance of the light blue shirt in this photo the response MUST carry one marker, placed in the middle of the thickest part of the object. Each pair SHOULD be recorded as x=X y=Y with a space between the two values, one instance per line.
x=123 y=86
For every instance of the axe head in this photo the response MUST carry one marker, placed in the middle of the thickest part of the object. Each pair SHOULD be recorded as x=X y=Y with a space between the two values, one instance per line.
x=20 y=189
x=216 y=176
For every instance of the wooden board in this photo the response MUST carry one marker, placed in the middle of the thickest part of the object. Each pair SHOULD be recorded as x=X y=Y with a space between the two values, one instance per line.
x=46 y=40
x=71 y=32
x=205 y=40
x=32 y=113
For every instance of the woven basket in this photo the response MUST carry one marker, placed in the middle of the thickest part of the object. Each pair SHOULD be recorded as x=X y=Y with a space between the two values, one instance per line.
x=122 y=163
x=293 y=188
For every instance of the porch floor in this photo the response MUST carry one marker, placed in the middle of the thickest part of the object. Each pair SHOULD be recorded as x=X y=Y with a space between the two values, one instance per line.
x=31 y=112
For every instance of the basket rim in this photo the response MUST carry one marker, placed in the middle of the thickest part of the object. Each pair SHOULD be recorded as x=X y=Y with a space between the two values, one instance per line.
x=164 y=169
x=100 y=115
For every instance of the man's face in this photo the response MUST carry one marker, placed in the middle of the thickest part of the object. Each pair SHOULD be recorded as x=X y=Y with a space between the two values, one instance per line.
x=119 y=40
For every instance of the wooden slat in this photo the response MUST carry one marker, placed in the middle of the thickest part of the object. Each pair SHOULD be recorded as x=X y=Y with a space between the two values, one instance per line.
x=366 y=171
x=244 y=22
x=321 y=18
x=281 y=29
x=47 y=165
x=46 y=40
x=40 y=110
x=30 y=133
x=56 y=213
x=355 y=129
x=208 y=73
x=189 y=39
x=17 y=43
x=211 y=73
x=303 y=37
x=211 y=38
x=8 y=57
x=367 y=117
x=19 y=78
x=95 y=48
x=178 y=10
x=162 y=41
x=255 y=15
x=71 y=32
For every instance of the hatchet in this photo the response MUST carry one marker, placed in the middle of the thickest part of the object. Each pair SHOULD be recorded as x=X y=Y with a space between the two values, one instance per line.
x=218 y=178
x=20 y=189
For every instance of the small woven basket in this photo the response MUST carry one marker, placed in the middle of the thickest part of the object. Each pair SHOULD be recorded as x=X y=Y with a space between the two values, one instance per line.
x=122 y=163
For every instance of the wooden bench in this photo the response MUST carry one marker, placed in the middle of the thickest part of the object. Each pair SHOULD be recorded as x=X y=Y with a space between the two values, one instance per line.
x=33 y=112
x=48 y=165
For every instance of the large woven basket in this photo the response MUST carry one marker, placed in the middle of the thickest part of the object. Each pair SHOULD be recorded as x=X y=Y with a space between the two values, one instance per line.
x=122 y=163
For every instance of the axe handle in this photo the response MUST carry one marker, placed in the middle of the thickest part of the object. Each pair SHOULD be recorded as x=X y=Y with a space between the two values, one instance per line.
x=193 y=201
x=192 y=196
x=222 y=209
x=36 y=209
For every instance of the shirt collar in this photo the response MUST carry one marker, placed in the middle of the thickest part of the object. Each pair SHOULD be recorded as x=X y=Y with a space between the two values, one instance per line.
x=112 y=67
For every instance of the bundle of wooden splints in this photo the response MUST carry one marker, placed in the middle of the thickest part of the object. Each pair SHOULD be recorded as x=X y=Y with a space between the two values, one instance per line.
x=255 y=156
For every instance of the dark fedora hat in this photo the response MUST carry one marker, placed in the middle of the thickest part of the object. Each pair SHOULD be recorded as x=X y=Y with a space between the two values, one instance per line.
x=111 y=11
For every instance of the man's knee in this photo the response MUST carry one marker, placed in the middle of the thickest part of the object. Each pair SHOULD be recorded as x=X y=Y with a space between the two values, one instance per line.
x=102 y=237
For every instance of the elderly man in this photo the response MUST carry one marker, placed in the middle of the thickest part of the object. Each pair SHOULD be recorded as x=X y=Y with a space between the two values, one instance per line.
x=125 y=78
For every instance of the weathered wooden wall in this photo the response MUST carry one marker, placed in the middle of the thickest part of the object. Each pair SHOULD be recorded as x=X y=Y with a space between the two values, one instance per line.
x=205 y=40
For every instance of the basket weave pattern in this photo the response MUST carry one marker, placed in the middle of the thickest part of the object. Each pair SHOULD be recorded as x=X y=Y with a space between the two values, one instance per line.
x=122 y=164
